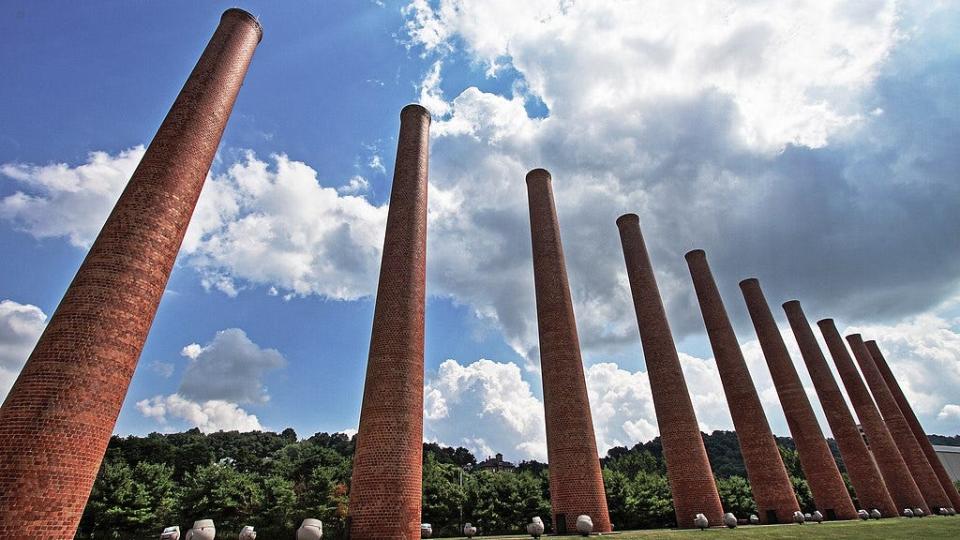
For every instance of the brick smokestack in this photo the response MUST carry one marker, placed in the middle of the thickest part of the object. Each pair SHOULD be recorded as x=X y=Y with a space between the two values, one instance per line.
x=914 y=422
x=899 y=429
x=829 y=491
x=691 y=478
x=863 y=472
x=769 y=481
x=903 y=489
x=57 y=419
x=576 y=485
x=385 y=490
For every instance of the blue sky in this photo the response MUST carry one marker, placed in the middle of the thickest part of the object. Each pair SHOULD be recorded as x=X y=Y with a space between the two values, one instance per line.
x=812 y=148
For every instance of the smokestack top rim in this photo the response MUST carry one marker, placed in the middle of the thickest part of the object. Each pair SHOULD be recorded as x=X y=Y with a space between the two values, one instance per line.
x=826 y=322
x=793 y=302
x=415 y=109
x=245 y=15
x=749 y=282
x=629 y=217
x=695 y=254
x=854 y=337
x=539 y=174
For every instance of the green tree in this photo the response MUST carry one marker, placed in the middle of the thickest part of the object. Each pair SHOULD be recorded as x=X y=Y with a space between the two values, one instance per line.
x=650 y=501
x=736 y=496
x=222 y=493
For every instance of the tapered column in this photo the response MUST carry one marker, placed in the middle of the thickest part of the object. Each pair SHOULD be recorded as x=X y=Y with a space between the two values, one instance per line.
x=897 y=425
x=862 y=470
x=829 y=491
x=57 y=419
x=691 y=478
x=769 y=481
x=576 y=485
x=385 y=491
x=903 y=489
x=914 y=423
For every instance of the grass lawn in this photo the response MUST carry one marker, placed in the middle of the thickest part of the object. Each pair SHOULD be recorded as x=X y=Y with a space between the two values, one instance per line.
x=931 y=527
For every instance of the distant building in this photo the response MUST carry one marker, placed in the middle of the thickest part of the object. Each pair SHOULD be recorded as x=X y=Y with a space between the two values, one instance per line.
x=950 y=456
x=497 y=463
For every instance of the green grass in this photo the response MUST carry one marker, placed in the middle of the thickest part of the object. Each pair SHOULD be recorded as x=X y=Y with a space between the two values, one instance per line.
x=932 y=527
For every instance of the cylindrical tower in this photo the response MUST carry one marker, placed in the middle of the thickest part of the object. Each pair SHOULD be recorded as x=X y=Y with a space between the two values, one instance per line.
x=576 y=485
x=57 y=419
x=385 y=490
x=903 y=489
x=897 y=425
x=914 y=422
x=864 y=474
x=769 y=481
x=691 y=478
x=829 y=491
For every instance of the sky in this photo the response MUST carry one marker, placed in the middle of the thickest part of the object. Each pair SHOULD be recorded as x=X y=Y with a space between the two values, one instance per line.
x=810 y=144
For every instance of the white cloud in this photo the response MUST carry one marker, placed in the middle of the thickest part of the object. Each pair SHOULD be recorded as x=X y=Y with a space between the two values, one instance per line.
x=485 y=406
x=209 y=416
x=355 y=185
x=230 y=368
x=20 y=328
x=59 y=200
x=949 y=412
x=278 y=226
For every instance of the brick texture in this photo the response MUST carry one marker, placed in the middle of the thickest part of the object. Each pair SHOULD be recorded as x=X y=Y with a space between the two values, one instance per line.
x=688 y=469
x=769 y=481
x=899 y=429
x=914 y=423
x=829 y=491
x=385 y=491
x=863 y=472
x=58 y=417
x=576 y=485
x=903 y=489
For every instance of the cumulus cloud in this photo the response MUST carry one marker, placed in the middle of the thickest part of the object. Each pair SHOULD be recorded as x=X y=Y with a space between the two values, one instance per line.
x=209 y=416
x=219 y=377
x=58 y=200
x=20 y=328
x=747 y=129
x=231 y=368
x=278 y=226
x=485 y=406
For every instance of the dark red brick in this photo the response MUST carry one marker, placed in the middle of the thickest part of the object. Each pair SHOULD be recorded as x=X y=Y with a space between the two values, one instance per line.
x=385 y=491
x=900 y=483
x=914 y=422
x=576 y=485
x=57 y=420
x=688 y=469
x=829 y=491
x=863 y=472
x=899 y=429
x=769 y=481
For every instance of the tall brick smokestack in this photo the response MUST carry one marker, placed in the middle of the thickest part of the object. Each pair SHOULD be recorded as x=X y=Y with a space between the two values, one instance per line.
x=829 y=492
x=914 y=422
x=385 y=490
x=899 y=429
x=769 y=481
x=576 y=485
x=57 y=419
x=691 y=478
x=863 y=472
x=903 y=489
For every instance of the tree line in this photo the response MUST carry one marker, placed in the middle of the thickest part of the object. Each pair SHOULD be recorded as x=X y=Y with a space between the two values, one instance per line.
x=273 y=480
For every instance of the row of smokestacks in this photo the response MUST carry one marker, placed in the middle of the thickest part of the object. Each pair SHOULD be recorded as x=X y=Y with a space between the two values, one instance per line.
x=57 y=419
